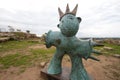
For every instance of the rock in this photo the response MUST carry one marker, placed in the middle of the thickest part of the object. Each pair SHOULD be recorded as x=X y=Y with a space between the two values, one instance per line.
x=4 y=39
x=42 y=64
x=107 y=48
x=99 y=41
x=116 y=55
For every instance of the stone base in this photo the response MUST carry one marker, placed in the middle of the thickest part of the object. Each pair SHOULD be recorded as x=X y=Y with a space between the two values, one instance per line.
x=63 y=76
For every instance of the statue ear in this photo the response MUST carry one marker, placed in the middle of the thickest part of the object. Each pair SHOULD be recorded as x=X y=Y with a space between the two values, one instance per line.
x=58 y=25
x=79 y=19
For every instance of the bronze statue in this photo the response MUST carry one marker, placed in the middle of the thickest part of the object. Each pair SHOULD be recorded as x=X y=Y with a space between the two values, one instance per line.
x=66 y=42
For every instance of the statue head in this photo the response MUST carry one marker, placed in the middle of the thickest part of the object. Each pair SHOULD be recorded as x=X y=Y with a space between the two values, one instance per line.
x=69 y=23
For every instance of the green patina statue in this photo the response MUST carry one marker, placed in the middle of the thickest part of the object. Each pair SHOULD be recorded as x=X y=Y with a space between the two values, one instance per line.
x=66 y=42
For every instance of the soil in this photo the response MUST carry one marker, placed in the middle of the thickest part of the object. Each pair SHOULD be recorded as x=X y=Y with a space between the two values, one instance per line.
x=108 y=68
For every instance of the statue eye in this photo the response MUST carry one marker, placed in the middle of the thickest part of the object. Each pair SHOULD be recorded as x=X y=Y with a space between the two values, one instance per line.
x=70 y=18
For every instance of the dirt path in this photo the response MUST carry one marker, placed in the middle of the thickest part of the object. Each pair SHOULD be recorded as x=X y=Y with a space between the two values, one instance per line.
x=107 y=69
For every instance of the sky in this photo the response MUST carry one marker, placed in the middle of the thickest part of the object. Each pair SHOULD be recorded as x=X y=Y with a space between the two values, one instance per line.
x=100 y=18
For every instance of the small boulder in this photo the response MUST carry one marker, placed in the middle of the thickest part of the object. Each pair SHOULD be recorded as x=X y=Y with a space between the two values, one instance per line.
x=107 y=48
x=42 y=64
x=116 y=55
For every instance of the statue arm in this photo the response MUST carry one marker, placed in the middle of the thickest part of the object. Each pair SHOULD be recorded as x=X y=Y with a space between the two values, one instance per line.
x=85 y=50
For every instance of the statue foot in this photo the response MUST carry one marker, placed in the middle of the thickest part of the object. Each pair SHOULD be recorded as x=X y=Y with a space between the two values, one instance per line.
x=54 y=70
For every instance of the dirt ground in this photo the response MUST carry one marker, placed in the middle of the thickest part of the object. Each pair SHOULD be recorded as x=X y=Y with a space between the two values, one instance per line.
x=108 y=68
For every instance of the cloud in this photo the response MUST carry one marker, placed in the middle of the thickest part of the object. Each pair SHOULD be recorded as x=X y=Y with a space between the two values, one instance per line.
x=36 y=22
x=102 y=20
x=99 y=17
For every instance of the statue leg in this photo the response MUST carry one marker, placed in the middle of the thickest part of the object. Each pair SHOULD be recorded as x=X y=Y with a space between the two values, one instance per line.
x=55 y=64
x=78 y=72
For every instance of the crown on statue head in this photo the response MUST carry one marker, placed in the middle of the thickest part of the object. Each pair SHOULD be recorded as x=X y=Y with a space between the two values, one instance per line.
x=61 y=14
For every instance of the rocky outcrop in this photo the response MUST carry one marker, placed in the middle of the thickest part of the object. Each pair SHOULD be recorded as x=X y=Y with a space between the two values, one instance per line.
x=112 y=41
x=4 y=39
x=109 y=41
x=5 y=36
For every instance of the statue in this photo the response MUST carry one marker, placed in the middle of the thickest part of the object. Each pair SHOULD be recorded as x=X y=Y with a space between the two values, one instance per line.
x=66 y=42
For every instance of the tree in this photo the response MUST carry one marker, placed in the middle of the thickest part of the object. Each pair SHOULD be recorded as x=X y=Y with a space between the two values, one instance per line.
x=18 y=30
x=11 y=29
x=28 y=31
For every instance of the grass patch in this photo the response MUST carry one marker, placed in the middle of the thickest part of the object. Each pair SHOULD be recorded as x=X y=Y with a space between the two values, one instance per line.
x=116 y=49
x=14 y=60
x=42 y=54
x=11 y=45
x=20 y=59
x=43 y=51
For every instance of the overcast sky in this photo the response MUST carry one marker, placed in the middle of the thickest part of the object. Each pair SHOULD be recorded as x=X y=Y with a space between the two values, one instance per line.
x=100 y=18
